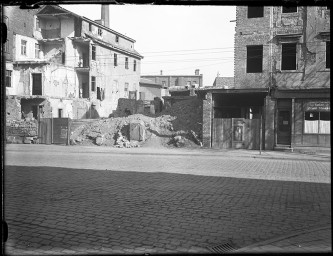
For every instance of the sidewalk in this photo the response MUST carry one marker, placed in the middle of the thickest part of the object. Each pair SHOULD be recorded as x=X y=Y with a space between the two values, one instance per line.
x=281 y=155
x=315 y=240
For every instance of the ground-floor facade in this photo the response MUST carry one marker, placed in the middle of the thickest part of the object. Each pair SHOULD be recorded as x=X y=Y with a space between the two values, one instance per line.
x=264 y=119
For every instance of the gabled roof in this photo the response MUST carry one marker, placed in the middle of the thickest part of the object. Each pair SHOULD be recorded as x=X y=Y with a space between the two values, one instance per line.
x=57 y=10
x=227 y=82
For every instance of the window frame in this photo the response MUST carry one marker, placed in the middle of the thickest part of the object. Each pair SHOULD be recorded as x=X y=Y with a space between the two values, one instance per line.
x=8 y=78
x=37 y=50
x=93 y=83
x=115 y=60
x=252 y=65
x=287 y=61
x=24 y=44
x=126 y=62
x=134 y=65
x=252 y=14
x=93 y=52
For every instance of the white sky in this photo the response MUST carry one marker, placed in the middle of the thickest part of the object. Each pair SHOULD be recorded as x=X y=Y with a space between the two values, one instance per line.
x=183 y=38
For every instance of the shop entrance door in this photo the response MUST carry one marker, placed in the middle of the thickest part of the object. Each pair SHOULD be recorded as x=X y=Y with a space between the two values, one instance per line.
x=284 y=127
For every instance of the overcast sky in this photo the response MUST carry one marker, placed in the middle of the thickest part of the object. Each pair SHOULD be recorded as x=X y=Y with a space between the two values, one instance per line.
x=175 y=39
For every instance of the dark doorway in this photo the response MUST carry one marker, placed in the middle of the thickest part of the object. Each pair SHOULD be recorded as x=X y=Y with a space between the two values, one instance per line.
x=36 y=84
x=35 y=111
x=284 y=127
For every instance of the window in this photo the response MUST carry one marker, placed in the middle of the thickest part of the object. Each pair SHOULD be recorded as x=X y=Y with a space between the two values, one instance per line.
x=289 y=9
x=317 y=122
x=37 y=24
x=328 y=58
x=23 y=47
x=60 y=112
x=37 y=51
x=163 y=83
x=8 y=78
x=134 y=65
x=90 y=27
x=93 y=83
x=126 y=87
x=117 y=39
x=132 y=95
x=7 y=46
x=63 y=58
x=115 y=61
x=100 y=32
x=142 y=95
x=255 y=12
x=254 y=59
x=288 y=61
x=93 y=52
x=126 y=62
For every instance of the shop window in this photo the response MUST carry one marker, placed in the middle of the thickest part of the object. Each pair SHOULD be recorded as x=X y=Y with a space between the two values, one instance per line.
x=328 y=54
x=290 y=9
x=115 y=60
x=288 y=60
x=254 y=59
x=255 y=12
x=134 y=65
x=317 y=122
x=8 y=78
x=126 y=62
x=23 y=47
x=93 y=52
x=93 y=83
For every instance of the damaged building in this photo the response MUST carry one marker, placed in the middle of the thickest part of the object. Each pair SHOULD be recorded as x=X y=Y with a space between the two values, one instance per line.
x=60 y=64
x=281 y=93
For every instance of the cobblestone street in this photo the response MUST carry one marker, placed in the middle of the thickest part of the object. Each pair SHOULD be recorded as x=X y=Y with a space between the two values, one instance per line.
x=61 y=201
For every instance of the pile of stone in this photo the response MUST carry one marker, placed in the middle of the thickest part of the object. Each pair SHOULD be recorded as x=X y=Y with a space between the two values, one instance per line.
x=122 y=142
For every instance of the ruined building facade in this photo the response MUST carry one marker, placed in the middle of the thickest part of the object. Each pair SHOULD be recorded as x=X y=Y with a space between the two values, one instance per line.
x=281 y=76
x=60 y=64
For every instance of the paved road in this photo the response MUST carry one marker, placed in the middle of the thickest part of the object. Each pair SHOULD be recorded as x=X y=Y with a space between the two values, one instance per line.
x=69 y=200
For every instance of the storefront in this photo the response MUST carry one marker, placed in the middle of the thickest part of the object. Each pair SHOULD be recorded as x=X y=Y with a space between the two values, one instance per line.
x=302 y=118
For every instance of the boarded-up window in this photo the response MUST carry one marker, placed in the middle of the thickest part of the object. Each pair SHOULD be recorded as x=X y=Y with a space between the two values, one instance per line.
x=328 y=54
x=288 y=60
x=254 y=59
x=255 y=12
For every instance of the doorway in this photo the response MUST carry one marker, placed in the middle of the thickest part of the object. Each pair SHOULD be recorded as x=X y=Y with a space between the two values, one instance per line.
x=284 y=127
x=36 y=84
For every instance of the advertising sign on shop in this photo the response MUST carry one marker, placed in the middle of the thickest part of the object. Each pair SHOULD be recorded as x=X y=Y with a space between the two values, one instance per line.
x=317 y=106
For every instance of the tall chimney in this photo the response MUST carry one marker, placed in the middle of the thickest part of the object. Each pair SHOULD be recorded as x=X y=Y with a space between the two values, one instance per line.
x=197 y=72
x=161 y=72
x=105 y=15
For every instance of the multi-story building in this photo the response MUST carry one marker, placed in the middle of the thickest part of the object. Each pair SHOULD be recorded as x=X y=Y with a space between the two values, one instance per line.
x=282 y=81
x=61 y=64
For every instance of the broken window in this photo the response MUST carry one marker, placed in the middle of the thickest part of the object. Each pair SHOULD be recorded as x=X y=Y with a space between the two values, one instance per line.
x=254 y=59
x=289 y=9
x=8 y=78
x=255 y=12
x=115 y=60
x=328 y=58
x=93 y=52
x=134 y=65
x=37 y=51
x=126 y=62
x=23 y=47
x=93 y=83
x=288 y=61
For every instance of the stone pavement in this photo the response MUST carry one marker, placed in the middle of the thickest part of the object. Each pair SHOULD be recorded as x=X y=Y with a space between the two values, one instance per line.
x=317 y=240
x=79 y=200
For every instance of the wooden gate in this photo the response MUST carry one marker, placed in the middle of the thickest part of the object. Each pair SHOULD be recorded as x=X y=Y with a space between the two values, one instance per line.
x=236 y=133
x=54 y=130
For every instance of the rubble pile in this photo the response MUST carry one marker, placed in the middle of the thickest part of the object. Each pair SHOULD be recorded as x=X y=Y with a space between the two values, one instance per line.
x=178 y=126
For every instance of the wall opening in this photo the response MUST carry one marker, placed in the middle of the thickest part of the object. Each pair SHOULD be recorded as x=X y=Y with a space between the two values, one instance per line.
x=36 y=84
x=288 y=60
x=254 y=58
x=255 y=12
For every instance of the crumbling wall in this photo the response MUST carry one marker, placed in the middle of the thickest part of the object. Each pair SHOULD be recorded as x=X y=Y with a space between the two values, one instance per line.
x=13 y=108
x=21 y=131
x=129 y=107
